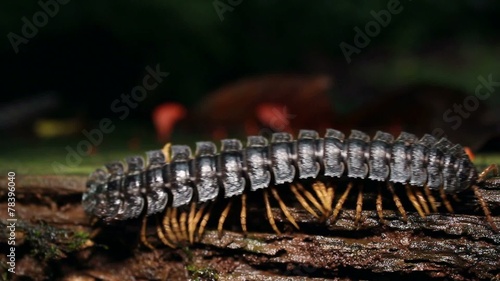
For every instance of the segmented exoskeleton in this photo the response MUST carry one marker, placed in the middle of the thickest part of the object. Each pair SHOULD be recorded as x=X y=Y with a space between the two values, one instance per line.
x=172 y=179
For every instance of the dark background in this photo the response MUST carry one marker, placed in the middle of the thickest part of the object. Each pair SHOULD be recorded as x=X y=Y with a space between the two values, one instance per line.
x=90 y=52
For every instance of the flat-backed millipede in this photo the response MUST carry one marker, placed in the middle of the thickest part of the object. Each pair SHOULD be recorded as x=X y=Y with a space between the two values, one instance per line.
x=183 y=187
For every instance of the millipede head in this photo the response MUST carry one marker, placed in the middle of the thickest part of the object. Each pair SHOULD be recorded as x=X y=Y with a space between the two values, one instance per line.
x=97 y=177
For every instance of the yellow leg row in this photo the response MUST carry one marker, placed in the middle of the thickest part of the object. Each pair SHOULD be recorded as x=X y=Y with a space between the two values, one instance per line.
x=189 y=225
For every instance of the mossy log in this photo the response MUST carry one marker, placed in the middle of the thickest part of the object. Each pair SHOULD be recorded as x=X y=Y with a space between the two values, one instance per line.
x=56 y=240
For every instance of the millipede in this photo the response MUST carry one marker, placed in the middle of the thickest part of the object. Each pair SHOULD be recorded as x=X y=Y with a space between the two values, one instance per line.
x=311 y=169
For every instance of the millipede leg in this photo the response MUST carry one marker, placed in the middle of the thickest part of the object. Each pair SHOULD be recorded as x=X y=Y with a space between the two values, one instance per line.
x=196 y=219
x=284 y=208
x=359 y=204
x=191 y=222
x=167 y=226
x=482 y=176
x=162 y=237
x=175 y=225
x=421 y=199
x=400 y=207
x=182 y=222
x=204 y=222
x=432 y=200
x=413 y=200
x=330 y=192
x=446 y=202
x=486 y=210
x=270 y=213
x=341 y=201
x=243 y=215
x=144 y=239
x=324 y=192
x=320 y=190
x=223 y=217
x=303 y=201
x=310 y=197
x=491 y=168
x=378 y=205
x=166 y=151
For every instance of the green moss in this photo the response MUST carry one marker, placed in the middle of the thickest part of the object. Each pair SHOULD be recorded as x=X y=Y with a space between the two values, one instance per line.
x=49 y=243
x=202 y=274
x=79 y=239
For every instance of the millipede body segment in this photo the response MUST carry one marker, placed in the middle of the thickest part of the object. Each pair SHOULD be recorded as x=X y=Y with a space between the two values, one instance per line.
x=177 y=181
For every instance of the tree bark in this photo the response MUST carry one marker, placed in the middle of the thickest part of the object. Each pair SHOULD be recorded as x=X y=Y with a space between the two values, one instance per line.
x=55 y=239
